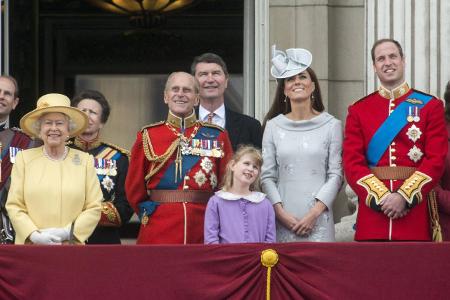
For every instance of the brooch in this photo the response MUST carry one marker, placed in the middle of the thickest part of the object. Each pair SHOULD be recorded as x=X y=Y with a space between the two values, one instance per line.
x=206 y=164
x=200 y=178
x=415 y=154
x=76 y=159
x=414 y=133
x=107 y=183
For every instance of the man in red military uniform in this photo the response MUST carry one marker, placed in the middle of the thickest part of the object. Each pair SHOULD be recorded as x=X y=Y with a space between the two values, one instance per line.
x=394 y=149
x=12 y=140
x=174 y=168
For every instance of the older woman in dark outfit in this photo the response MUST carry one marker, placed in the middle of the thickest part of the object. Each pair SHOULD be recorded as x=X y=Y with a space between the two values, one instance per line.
x=111 y=163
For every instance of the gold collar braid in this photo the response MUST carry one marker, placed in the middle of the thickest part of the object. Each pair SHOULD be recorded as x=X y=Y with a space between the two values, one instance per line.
x=395 y=93
x=85 y=145
x=177 y=122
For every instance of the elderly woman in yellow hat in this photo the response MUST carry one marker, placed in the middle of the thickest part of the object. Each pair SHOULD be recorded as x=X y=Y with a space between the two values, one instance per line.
x=55 y=196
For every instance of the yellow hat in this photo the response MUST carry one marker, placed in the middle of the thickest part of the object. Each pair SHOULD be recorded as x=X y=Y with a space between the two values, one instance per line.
x=54 y=103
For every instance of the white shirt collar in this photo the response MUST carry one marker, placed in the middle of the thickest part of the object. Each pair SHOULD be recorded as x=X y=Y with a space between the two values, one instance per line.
x=5 y=123
x=219 y=117
x=254 y=197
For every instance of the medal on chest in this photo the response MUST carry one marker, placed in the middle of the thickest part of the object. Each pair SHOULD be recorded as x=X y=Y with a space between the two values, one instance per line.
x=415 y=154
x=414 y=133
x=105 y=166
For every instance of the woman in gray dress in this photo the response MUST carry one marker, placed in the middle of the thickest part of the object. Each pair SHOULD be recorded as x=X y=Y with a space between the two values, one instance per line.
x=302 y=148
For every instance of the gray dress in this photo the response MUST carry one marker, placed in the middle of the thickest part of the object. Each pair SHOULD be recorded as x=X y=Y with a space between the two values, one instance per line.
x=302 y=163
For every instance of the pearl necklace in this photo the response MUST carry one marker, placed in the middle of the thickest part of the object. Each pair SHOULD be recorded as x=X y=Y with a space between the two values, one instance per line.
x=66 y=150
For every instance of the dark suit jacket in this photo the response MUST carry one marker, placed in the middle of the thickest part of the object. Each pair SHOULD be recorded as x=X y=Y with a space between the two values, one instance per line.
x=242 y=129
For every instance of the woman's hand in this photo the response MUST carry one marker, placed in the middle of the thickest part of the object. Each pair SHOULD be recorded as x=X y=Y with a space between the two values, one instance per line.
x=62 y=233
x=44 y=238
x=306 y=224
x=285 y=218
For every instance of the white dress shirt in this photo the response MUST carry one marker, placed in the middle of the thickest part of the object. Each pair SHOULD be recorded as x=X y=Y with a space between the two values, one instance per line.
x=218 y=118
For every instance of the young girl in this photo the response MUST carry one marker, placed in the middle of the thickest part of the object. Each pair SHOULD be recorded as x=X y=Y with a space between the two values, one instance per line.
x=238 y=213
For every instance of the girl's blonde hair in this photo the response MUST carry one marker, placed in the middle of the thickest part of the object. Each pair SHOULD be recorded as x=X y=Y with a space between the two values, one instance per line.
x=255 y=154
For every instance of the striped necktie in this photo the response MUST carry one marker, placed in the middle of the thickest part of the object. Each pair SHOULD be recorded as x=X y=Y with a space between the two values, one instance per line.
x=210 y=117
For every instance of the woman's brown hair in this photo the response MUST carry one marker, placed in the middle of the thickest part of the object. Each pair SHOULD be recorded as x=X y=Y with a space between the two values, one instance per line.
x=282 y=105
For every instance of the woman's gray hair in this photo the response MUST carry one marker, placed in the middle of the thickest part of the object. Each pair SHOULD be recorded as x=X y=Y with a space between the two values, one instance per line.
x=38 y=123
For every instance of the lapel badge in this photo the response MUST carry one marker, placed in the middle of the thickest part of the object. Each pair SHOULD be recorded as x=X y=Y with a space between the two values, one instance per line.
x=76 y=159
x=414 y=133
x=415 y=154
x=208 y=135
x=414 y=101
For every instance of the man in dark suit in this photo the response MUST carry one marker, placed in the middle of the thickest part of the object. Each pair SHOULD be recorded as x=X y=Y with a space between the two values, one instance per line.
x=211 y=73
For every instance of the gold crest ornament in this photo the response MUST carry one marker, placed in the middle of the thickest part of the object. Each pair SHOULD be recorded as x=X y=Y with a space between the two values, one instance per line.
x=107 y=183
x=414 y=133
x=415 y=154
x=200 y=178
x=206 y=164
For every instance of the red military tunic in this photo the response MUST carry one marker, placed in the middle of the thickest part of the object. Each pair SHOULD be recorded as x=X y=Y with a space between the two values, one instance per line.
x=153 y=155
x=421 y=144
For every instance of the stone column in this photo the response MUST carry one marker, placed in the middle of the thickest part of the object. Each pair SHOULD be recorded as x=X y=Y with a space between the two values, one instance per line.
x=423 y=29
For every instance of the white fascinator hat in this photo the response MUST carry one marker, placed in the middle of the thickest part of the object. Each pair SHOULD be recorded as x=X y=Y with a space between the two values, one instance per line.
x=289 y=63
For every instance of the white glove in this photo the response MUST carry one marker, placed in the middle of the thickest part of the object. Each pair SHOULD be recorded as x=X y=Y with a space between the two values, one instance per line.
x=44 y=238
x=62 y=233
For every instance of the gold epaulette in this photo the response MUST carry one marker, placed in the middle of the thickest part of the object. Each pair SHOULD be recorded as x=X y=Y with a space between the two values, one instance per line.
x=153 y=125
x=361 y=99
x=207 y=124
x=120 y=149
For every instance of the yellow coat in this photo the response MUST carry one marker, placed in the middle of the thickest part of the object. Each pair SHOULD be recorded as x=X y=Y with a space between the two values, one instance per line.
x=46 y=193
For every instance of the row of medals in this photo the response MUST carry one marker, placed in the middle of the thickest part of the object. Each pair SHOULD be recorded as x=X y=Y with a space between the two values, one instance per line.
x=201 y=147
x=105 y=166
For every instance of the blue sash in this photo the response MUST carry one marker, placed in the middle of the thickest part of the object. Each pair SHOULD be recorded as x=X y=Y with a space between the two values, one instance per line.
x=188 y=161
x=386 y=133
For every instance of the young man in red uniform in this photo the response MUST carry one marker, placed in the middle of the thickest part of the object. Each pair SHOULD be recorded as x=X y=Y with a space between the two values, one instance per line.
x=174 y=168
x=394 y=149
x=12 y=140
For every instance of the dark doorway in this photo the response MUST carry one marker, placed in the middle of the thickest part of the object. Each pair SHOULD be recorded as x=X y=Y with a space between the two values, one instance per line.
x=54 y=41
